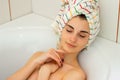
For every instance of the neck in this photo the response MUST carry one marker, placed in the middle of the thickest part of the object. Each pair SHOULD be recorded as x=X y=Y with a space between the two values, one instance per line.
x=71 y=59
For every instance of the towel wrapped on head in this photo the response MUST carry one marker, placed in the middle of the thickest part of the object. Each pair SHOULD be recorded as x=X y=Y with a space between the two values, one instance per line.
x=71 y=8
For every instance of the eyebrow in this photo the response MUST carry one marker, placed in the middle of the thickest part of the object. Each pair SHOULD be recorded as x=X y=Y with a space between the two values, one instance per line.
x=83 y=31
x=70 y=26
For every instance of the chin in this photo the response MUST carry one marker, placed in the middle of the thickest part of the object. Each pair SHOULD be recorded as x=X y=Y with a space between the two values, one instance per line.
x=68 y=50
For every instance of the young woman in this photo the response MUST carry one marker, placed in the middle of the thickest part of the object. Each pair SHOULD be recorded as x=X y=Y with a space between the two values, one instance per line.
x=61 y=63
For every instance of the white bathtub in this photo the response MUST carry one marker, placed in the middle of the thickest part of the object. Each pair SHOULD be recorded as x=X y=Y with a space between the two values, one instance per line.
x=20 y=38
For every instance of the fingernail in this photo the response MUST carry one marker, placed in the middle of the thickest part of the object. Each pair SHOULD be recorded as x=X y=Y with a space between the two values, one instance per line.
x=62 y=60
x=61 y=65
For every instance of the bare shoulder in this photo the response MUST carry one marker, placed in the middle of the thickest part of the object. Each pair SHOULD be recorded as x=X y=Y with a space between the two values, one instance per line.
x=34 y=56
x=75 y=74
x=38 y=53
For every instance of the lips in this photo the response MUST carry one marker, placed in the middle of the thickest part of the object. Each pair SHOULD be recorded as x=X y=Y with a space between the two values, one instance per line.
x=70 y=45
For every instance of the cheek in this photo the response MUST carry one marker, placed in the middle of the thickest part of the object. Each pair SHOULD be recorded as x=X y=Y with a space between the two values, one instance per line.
x=83 y=43
x=64 y=36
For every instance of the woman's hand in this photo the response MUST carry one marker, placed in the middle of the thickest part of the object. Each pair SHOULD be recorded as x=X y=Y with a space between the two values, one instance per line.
x=46 y=70
x=51 y=55
x=49 y=61
x=53 y=60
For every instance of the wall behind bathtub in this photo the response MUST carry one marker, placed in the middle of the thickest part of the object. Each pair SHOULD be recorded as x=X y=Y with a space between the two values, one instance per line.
x=47 y=8
x=12 y=9
x=109 y=19
x=20 y=8
x=4 y=11
x=119 y=33
x=119 y=26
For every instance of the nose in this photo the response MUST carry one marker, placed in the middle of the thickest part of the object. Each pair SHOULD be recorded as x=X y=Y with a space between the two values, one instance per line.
x=73 y=38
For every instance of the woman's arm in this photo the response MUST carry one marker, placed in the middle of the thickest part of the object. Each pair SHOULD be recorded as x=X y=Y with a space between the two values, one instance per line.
x=46 y=70
x=26 y=70
x=35 y=63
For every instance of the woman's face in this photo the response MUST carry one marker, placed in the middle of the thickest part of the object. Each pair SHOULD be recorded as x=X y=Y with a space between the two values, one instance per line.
x=75 y=35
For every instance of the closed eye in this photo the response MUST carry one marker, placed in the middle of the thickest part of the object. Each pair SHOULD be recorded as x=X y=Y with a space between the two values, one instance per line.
x=68 y=30
x=82 y=36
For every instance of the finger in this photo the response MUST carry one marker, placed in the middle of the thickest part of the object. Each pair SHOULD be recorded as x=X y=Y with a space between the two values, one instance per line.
x=55 y=55
x=61 y=59
x=55 y=59
x=61 y=53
